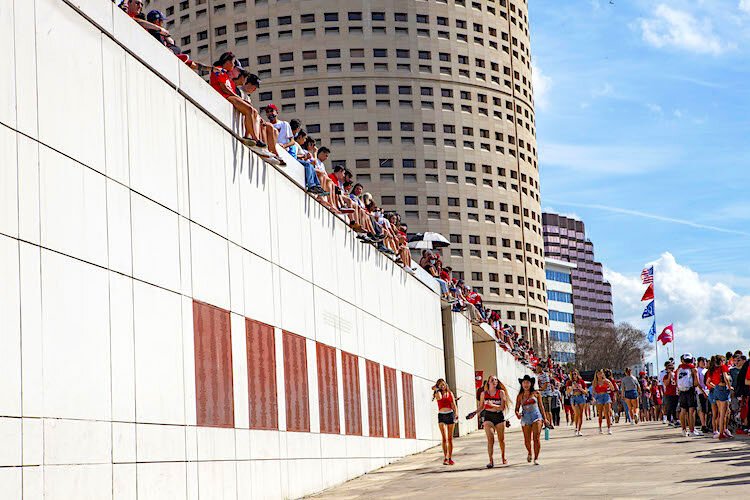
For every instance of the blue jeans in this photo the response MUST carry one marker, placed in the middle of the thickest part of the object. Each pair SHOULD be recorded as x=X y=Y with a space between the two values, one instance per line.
x=443 y=286
x=311 y=180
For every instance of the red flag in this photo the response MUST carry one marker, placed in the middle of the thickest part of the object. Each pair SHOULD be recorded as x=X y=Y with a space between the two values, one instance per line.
x=649 y=295
x=667 y=335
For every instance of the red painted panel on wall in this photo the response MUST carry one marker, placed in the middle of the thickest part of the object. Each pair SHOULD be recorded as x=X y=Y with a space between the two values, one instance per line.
x=391 y=401
x=295 y=383
x=352 y=398
x=214 y=391
x=410 y=428
x=261 y=375
x=374 y=399
x=328 y=390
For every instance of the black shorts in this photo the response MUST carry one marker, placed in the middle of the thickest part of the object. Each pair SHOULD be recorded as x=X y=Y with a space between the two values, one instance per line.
x=494 y=417
x=688 y=399
x=447 y=418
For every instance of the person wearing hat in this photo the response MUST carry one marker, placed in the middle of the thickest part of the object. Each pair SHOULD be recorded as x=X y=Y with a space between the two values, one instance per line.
x=225 y=69
x=265 y=130
x=687 y=381
x=530 y=411
x=286 y=134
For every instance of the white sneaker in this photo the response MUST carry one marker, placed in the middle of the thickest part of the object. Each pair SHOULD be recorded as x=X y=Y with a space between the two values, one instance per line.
x=686 y=434
x=716 y=434
x=609 y=431
x=697 y=432
x=536 y=462
x=601 y=431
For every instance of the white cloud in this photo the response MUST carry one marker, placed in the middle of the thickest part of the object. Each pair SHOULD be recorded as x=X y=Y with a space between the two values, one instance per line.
x=709 y=317
x=744 y=6
x=677 y=113
x=654 y=108
x=542 y=85
x=679 y=29
x=605 y=159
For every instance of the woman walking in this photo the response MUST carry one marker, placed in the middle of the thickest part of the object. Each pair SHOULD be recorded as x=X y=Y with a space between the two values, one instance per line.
x=631 y=392
x=447 y=412
x=555 y=404
x=494 y=402
x=718 y=382
x=657 y=400
x=576 y=389
x=530 y=410
x=602 y=387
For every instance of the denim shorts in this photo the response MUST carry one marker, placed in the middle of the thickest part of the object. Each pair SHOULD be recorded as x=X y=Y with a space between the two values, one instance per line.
x=631 y=394
x=578 y=400
x=531 y=416
x=602 y=399
x=719 y=393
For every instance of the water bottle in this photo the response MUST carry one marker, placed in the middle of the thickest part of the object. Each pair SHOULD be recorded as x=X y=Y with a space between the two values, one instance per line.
x=546 y=433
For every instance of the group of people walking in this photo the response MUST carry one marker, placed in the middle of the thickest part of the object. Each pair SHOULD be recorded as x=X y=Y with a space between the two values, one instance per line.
x=494 y=403
x=699 y=395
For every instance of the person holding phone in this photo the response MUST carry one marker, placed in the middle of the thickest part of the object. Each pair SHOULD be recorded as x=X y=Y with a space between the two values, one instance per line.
x=494 y=402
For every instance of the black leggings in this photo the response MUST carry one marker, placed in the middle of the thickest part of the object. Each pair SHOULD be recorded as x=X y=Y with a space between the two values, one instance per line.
x=555 y=416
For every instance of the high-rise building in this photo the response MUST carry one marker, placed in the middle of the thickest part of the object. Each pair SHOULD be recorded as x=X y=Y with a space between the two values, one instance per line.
x=565 y=240
x=560 y=303
x=429 y=103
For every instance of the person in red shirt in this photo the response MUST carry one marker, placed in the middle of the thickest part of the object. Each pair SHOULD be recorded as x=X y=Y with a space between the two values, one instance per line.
x=225 y=69
x=718 y=382
x=670 y=395
x=657 y=399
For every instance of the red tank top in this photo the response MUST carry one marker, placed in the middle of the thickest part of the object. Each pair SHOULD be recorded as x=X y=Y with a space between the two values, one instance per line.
x=601 y=389
x=446 y=401
x=491 y=398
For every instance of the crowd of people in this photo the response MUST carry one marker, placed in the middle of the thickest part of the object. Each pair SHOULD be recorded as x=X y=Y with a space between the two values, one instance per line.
x=702 y=397
x=464 y=298
x=336 y=189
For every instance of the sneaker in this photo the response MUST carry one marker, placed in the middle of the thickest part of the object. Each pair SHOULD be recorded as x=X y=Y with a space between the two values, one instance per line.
x=451 y=462
x=686 y=434
x=697 y=432
x=601 y=431
x=716 y=434
x=248 y=141
x=609 y=431
x=536 y=462
x=727 y=433
x=260 y=151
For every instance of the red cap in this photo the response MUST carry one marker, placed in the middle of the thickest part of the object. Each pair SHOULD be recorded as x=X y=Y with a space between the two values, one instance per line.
x=273 y=107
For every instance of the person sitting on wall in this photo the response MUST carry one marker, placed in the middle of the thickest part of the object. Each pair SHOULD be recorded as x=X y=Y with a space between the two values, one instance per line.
x=226 y=68
x=286 y=133
x=264 y=129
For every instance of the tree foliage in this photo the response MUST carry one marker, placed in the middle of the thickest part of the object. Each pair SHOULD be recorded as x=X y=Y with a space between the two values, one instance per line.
x=599 y=345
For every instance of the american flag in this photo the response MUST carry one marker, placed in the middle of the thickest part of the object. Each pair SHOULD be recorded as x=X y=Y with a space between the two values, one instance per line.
x=647 y=275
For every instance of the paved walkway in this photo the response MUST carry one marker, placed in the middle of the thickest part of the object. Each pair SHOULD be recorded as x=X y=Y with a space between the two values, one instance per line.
x=644 y=461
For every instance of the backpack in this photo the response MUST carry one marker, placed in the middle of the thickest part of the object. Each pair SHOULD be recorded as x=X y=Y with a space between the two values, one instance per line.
x=684 y=379
x=742 y=389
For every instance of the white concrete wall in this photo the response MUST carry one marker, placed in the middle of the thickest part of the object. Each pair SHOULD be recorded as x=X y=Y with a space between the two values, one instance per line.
x=123 y=198
x=462 y=364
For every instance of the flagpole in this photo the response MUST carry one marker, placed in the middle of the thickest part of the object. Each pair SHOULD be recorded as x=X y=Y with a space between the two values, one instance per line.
x=657 y=368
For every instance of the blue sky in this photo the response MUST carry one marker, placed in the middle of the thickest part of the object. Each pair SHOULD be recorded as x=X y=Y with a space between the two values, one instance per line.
x=643 y=128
